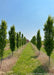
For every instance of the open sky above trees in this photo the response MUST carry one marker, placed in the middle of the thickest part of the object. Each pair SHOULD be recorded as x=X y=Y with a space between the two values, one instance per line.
x=27 y=15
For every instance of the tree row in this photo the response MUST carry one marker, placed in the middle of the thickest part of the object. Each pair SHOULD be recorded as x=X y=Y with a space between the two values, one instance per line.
x=15 y=39
x=48 y=37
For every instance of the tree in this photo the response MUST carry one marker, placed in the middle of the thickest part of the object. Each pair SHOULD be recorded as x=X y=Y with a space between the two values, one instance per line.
x=53 y=31
x=48 y=38
x=12 y=38
x=22 y=40
x=53 y=36
x=38 y=40
x=33 y=40
x=3 y=32
x=17 y=40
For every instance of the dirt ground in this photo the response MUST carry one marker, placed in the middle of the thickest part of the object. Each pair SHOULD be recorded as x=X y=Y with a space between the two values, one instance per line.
x=8 y=63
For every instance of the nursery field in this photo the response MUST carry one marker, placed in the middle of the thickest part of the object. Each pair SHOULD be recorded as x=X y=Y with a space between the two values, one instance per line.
x=26 y=37
x=29 y=62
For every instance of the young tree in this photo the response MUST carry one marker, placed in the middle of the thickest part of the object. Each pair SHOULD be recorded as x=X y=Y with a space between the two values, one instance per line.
x=53 y=36
x=22 y=40
x=53 y=31
x=17 y=40
x=38 y=40
x=48 y=41
x=12 y=38
x=33 y=40
x=3 y=32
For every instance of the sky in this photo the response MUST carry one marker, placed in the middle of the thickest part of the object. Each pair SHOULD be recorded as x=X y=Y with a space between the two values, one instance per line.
x=27 y=15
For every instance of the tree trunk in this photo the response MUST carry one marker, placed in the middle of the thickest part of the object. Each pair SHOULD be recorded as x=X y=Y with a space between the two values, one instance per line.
x=39 y=52
x=49 y=60
x=12 y=53
x=1 y=59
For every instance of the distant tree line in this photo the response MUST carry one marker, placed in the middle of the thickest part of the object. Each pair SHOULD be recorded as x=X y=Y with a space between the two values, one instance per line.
x=16 y=39
x=48 y=37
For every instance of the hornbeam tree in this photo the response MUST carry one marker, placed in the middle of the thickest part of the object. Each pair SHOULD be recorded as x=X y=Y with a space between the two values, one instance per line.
x=3 y=32
x=33 y=40
x=12 y=39
x=22 y=40
x=17 y=40
x=48 y=38
x=38 y=40
x=53 y=36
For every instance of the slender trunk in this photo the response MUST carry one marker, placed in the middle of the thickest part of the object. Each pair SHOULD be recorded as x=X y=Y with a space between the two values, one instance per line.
x=22 y=45
x=39 y=52
x=49 y=60
x=1 y=59
x=12 y=53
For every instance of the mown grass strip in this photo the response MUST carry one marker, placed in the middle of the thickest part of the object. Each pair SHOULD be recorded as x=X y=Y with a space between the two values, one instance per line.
x=27 y=63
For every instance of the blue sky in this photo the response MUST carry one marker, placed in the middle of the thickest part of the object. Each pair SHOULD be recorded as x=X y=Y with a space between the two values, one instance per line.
x=27 y=15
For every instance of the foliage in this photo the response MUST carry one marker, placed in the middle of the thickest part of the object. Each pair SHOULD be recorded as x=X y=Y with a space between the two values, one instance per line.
x=12 y=38
x=53 y=36
x=22 y=40
x=17 y=40
x=48 y=41
x=3 y=33
x=33 y=40
x=38 y=40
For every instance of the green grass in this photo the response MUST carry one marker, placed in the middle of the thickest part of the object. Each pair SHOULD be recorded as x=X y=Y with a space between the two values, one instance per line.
x=42 y=42
x=7 y=53
x=43 y=50
x=28 y=63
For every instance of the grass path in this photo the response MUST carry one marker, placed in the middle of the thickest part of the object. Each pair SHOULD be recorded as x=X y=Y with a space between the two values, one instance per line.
x=28 y=62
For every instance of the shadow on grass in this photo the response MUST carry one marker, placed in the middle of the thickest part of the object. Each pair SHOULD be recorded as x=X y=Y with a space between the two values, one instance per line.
x=34 y=57
x=42 y=69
